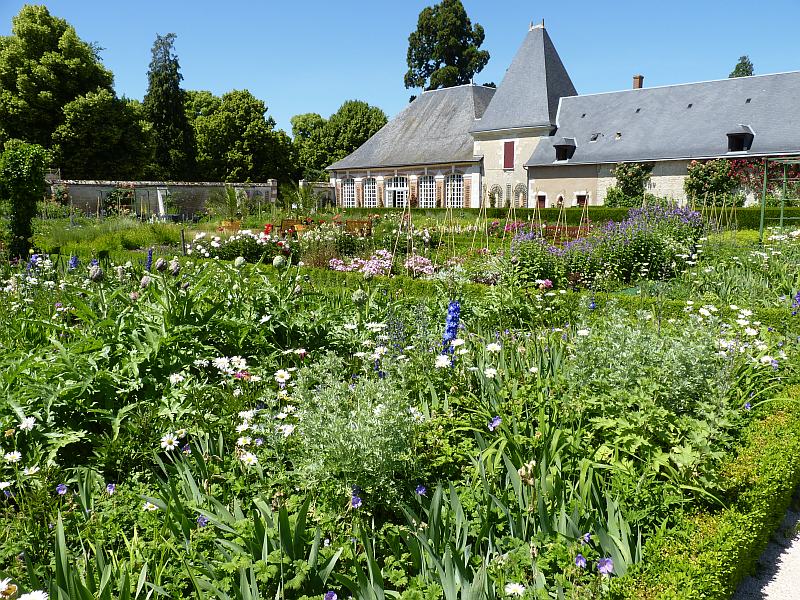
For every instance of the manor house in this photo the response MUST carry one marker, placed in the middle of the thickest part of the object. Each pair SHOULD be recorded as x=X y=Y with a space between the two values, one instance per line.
x=534 y=141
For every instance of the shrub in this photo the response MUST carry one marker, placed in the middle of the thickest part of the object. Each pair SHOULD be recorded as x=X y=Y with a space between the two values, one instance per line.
x=711 y=182
x=250 y=246
x=22 y=169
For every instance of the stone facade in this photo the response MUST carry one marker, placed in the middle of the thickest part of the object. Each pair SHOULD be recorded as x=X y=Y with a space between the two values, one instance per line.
x=498 y=179
x=158 y=197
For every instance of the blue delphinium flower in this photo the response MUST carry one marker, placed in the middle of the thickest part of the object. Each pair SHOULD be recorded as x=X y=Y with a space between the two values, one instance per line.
x=747 y=406
x=202 y=521
x=451 y=324
x=331 y=595
x=148 y=264
x=421 y=490
x=61 y=489
x=94 y=262
x=355 y=502
x=111 y=488
x=73 y=263
x=495 y=423
x=580 y=561
x=587 y=538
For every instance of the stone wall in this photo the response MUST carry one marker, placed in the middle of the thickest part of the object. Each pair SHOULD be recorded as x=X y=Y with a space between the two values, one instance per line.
x=182 y=198
x=506 y=182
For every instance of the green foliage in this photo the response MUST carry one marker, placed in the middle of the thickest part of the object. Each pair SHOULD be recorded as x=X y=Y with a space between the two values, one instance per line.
x=236 y=141
x=102 y=137
x=44 y=66
x=709 y=183
x=706 y=555
x=444 y=49
x=319 y=143
x=631 y=179
x=743 y=68
x=164 y=106
x=22 y=168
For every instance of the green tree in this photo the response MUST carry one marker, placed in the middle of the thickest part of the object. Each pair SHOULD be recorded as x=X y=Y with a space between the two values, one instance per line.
x=236 y=141
x=22 y=169
x=44 y=66
x=743 y=68
x=631 y=180
x=164 y=105
x=103 y=137
x=319 y=142
x=444 y=50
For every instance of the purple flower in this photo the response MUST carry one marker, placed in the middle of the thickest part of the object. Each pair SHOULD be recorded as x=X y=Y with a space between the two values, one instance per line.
x=330 y=596
x=747 y=406
x=111 y=488
x=202 y=521
x=149 y=262
x=61 y=488
x=186 y=449
x=73 y=263
x=421 y=490
x=355 y=502
x=494 y=423
x=587 y=538
x=259 y=441
x=605 y=566
x=580 y=561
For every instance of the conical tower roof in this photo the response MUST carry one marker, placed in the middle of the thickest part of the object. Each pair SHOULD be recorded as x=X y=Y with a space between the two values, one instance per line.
x=529 y=93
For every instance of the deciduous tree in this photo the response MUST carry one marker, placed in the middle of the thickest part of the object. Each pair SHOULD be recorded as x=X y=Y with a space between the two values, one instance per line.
x=445 y=48
x=103 y=137
x=44 y=66
x=237 y=141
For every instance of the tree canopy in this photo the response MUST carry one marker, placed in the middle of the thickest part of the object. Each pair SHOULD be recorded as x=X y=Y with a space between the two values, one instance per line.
x=445 y=48
x=236 y=141
x=44 y=66
x=320 y=142
x=164 y=105
x=743 y=68
x=103 y=137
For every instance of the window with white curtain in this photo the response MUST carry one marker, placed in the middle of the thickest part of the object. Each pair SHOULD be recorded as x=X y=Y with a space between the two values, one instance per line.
x=370 y=193
x=427 y=192
x=454 y=191
x=349 y=193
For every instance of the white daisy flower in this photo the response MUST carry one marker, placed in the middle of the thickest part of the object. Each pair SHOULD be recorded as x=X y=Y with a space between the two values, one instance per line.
x=282 y=376
x=515 y=589
x=27 y=423
x=286 y=429
x=169 y=441
x=493 y=347
x=176 y=378
x=13 y=457
x=249 y=459
x=582 y=332
x=244 y=441
x=149 y=507
x=490 y=372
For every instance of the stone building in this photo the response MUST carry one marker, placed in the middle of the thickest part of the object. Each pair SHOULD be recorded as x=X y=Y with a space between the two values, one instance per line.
x=535 y=141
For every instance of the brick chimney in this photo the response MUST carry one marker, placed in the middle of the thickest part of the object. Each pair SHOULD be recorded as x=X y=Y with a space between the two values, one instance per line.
x=638 y=82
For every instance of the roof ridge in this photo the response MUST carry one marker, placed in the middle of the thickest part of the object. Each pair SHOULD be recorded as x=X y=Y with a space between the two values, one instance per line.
x=673 y=85
x=460 y=85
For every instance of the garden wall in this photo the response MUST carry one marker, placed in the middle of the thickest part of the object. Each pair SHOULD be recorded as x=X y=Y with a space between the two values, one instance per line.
x=177 y=197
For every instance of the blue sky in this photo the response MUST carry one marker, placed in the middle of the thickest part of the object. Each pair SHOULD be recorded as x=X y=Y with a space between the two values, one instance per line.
x=310 y=56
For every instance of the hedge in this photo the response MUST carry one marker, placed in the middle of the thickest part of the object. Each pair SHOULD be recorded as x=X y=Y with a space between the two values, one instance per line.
x=746 y=218
x=706 y=555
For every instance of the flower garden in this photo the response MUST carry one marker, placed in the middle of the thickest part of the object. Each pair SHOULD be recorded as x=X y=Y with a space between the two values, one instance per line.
x=413 y=415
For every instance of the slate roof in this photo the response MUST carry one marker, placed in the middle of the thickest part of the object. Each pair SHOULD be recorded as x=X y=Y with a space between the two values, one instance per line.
x=652 y=124
x=531 y=88
x=432 y=129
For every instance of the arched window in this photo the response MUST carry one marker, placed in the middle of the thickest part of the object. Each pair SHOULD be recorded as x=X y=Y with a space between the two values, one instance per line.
x=496 y=197
x=349 y=193
x=370 y=193
x=454 y=191
x=521 y=195
x=427 y=192
x=396 y=192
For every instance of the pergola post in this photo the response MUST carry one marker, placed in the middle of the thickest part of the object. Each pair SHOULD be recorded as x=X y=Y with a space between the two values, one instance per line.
x=763 y=203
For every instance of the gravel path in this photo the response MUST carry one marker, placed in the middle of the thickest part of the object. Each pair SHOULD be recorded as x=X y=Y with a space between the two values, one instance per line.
x=777 y=575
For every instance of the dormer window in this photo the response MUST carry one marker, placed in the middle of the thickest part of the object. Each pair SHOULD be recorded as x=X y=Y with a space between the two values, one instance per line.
x=740 y=139
x=565 y=148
